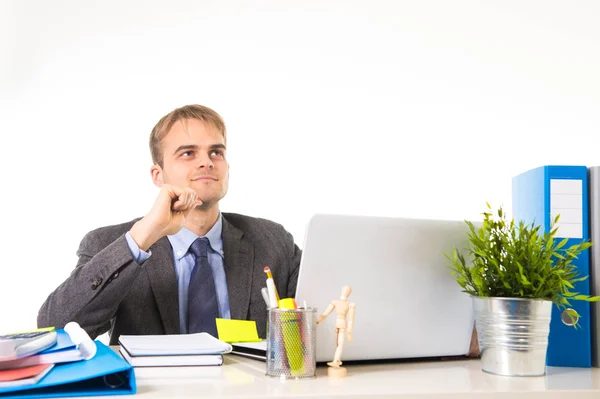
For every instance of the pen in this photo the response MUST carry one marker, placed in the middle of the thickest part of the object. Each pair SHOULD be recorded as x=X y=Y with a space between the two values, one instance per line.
x=265 y=296
x=272 y=293
x=269 y=275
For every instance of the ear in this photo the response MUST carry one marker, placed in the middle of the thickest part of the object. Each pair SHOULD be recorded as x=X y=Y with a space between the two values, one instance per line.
x=157 y=175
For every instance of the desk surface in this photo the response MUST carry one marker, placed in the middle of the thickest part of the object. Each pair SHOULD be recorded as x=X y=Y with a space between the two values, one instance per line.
x=241 y=377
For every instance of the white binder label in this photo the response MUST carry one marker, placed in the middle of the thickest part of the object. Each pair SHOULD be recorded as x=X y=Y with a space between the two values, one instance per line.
x=566 y=199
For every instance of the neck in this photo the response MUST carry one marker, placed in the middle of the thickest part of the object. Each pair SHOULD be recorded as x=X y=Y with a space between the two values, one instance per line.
x=201 y=220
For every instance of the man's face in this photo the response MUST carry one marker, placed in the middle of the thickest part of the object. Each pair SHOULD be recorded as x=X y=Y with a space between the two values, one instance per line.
x=194 y=156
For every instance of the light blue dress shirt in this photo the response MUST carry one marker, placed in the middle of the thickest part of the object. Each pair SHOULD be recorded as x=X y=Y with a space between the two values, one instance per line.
x=184 y=263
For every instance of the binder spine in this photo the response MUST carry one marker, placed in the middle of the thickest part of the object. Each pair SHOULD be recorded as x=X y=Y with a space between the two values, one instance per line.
x=594 y=219
x=538 y=196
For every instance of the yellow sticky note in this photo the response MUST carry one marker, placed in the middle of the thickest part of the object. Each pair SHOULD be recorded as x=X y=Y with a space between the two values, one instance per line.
x=32 y=331
x=237 y=330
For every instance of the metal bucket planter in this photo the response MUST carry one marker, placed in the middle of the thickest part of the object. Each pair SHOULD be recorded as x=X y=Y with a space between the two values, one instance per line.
x=513 y=334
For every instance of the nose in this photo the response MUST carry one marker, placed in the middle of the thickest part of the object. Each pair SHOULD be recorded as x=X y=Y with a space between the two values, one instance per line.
x=204 y=162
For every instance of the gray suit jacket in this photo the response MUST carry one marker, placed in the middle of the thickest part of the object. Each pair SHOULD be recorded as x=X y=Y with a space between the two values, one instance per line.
x=108 y=290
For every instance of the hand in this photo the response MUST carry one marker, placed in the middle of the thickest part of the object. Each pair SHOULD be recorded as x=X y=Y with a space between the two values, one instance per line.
x=167 y=216
x=349 y=336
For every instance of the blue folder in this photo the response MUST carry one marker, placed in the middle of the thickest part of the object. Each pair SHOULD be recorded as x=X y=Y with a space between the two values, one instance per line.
x=63 y=342
x=534 y=201
x=105 y=374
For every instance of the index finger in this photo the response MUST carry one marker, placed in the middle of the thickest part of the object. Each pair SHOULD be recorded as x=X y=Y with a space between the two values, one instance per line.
x=173 y=191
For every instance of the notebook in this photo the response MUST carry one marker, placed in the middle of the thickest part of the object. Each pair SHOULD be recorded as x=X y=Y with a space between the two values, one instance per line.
x=63 y=351
x=18 y=345
x=175 y=360
x=23 y=376
x=200 y=349
x=253 y=350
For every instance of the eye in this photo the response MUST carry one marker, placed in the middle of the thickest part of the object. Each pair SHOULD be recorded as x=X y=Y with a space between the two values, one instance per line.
x=217 y=153
x=187 y=154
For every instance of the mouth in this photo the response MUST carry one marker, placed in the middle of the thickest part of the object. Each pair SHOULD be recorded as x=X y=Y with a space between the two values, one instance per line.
x=204 y=178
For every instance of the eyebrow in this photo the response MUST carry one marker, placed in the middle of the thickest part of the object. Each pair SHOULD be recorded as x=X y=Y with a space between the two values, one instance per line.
x=195 y=147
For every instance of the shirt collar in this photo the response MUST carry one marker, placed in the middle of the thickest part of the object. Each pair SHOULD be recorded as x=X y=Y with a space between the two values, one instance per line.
x=183 y=239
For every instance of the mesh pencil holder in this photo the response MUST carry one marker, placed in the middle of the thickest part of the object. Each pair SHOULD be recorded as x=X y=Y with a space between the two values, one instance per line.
x=291 y=343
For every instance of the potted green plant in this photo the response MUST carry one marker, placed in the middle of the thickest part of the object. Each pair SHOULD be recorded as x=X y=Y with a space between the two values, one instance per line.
x=515 y=273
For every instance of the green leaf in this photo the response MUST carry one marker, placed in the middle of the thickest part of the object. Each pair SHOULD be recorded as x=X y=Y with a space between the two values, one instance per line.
x=586 y=298
x=561 y=244
x=518 y=259
x=567 y=283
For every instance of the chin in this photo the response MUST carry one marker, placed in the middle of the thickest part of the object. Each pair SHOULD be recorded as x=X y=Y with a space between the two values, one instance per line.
x=208 y=201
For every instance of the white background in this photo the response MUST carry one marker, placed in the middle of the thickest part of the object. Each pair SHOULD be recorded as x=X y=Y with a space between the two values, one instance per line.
x=392 y=108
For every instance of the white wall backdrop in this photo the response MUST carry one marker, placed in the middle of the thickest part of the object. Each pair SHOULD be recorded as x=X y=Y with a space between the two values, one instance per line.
x=393 y=108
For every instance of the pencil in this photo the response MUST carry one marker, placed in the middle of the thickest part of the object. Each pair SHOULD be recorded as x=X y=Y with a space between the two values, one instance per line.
x=269 y=275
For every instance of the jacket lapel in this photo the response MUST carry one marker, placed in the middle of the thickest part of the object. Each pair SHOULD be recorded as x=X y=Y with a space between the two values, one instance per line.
x=239 y=263
x=163 y=280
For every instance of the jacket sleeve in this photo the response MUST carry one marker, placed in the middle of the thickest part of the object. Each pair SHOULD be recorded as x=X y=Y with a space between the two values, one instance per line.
x=92 y=293
x=294 y=265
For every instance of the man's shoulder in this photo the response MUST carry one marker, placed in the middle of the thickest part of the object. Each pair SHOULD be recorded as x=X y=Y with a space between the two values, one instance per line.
x=252 y=225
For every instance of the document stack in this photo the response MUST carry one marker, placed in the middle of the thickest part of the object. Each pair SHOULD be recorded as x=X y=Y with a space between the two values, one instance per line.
x=49 y=363
x=200 y=349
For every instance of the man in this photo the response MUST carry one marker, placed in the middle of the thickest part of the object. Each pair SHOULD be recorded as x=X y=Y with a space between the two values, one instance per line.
x=184 y=263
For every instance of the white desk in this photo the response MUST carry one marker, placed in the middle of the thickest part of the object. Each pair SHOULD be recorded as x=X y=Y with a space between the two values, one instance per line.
x=245 y=378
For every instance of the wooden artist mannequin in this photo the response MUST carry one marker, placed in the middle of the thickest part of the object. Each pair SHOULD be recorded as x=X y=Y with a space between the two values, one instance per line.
x=342 y=307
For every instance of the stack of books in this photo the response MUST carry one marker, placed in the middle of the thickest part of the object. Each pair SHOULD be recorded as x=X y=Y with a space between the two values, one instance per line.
x=200 y=349
x=25 y=358
x=54 y=363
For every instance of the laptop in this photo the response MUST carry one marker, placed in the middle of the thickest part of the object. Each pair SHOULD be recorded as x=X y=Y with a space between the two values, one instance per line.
x=408 y=304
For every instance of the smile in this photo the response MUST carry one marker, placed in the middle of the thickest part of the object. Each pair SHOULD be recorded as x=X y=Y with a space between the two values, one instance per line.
x=204 y=178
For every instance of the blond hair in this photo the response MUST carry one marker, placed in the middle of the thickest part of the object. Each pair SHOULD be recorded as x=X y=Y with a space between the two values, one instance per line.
x=193 y=111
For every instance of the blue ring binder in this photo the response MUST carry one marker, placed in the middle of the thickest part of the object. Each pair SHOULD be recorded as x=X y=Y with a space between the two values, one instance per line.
x=537 y=195
x=104 y=374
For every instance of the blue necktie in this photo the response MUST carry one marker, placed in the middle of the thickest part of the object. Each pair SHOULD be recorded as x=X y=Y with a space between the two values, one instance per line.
x=203 y=306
